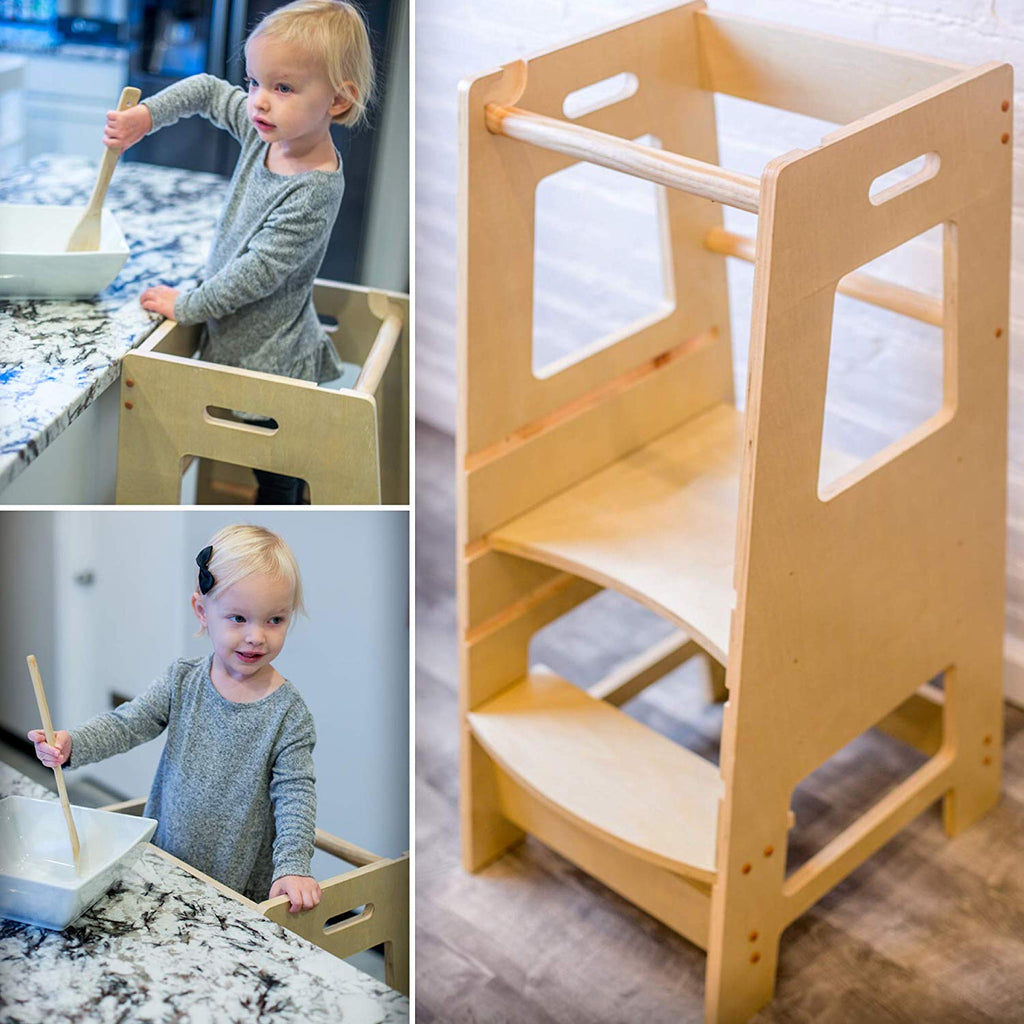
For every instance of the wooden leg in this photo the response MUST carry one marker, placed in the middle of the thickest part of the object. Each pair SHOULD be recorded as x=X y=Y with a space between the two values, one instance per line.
x=486 y=833
x=147 y=472
x=396 y=965
x=716 y=681
x=740 y=976
x=748 y=908
x=973 y=723
x=747 y=919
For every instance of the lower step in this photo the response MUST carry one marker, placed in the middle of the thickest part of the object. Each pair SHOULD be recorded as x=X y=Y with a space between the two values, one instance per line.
x=617 y=779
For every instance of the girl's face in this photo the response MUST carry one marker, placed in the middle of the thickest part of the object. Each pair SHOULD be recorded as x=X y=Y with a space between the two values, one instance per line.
x=247 y=624
x=290 y=98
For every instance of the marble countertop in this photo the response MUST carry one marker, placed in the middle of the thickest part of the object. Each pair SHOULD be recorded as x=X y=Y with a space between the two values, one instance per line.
x=57 y=357
x=163 y=945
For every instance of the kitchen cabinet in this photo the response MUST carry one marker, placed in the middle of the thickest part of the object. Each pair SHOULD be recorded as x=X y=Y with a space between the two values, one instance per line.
x=12 y=112
x=67 y=98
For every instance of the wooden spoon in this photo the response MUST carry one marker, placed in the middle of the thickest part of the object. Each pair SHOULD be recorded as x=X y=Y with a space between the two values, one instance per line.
x=86 y=236
x=44 y=712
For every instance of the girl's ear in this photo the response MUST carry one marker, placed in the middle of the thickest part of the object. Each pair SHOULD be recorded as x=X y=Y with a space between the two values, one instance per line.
x=344 y=100
x=197 y=607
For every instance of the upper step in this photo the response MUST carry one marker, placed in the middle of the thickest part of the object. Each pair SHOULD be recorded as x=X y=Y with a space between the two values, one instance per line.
x=658 y=525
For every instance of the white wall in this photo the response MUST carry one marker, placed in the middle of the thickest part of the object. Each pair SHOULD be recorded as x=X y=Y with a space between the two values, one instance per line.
x=26 y=612
x=350 y=659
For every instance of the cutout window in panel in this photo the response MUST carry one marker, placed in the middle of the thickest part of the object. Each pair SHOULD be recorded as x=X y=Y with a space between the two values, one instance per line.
x=887 y=386
x=599 y=95
x=904 y=178
x=211 y=482
x=601 y=269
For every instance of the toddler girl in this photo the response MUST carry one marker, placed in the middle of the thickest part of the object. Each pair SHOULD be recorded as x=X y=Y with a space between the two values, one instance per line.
x=234 y=791
x=308 y=65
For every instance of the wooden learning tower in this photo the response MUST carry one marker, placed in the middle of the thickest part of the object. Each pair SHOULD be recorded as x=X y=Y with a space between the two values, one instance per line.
x=824 y=613
x=350 y=445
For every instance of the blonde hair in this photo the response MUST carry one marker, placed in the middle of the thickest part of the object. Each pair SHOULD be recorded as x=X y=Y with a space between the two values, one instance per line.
x=334 y=32
x=241 y=550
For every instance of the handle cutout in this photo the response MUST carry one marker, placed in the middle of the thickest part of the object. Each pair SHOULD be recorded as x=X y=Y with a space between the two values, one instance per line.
x=347 y=919
x=216 y=416
x=599 y=95
x=903 y=178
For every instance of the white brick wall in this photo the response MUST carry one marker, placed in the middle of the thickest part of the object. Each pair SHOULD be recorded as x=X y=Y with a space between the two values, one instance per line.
x=455 y=38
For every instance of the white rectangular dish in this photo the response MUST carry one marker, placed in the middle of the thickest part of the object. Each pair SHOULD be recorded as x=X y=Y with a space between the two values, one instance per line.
x=38 y=882
x=34 y=265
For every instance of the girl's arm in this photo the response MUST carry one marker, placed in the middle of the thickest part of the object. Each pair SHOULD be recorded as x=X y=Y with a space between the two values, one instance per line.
x=218 y=101
x=125 y=727
x=293 y=795
x=271 y=255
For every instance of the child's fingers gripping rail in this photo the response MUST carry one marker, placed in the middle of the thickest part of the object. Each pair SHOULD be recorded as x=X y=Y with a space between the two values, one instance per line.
x=58 y=754
x=126 y=127
x=302 y=890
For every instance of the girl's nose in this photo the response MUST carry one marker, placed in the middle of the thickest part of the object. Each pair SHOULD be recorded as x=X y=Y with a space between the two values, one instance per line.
x=254 y=635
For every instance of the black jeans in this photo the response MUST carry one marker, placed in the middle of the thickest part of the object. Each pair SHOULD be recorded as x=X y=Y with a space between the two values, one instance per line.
x=275 y=489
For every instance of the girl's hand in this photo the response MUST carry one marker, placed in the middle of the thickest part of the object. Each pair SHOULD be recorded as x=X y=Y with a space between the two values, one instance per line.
x=159 y=299
x=55 y=755
x=125 y=127
x=303 y=891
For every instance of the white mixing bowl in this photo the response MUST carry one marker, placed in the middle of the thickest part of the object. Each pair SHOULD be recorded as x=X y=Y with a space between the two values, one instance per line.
x=38 y=881
x=34 y=265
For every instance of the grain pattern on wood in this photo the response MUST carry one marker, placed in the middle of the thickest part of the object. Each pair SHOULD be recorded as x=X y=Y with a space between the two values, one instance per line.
x=382 y=890
x=927 y=929
x=810 y=596
x=786 y=67
x=175 y=406
x=658 y=525
x=605 y=772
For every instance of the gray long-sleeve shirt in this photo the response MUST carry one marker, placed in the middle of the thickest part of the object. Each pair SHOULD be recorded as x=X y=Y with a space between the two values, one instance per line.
x=256 y=296
x=234 y=791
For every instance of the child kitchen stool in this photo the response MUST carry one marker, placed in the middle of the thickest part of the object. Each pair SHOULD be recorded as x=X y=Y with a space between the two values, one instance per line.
x=378 y=885
x=350 y=445
x=828 y=611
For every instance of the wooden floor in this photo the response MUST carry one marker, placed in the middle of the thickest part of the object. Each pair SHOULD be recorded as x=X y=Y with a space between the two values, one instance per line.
x=928 y=931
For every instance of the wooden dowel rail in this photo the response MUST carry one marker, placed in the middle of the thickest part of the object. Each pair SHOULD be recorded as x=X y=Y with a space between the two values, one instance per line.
x=348 y=852
x=668 y=169
x=377 y=361
x=337 y=847
x=857 y=285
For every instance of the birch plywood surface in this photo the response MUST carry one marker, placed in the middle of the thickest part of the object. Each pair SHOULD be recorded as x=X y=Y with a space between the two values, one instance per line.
x=659 y=525
x=829 y=631
x=929 y=930
x=497 y=208
x=608 y=774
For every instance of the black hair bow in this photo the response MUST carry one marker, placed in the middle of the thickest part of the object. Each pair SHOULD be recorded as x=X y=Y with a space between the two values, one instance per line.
x=206 y=580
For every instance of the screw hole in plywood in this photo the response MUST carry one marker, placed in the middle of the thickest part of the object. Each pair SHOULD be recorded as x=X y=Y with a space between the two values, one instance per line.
x=599 y=95
x=601 y=263
x=904 y=178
